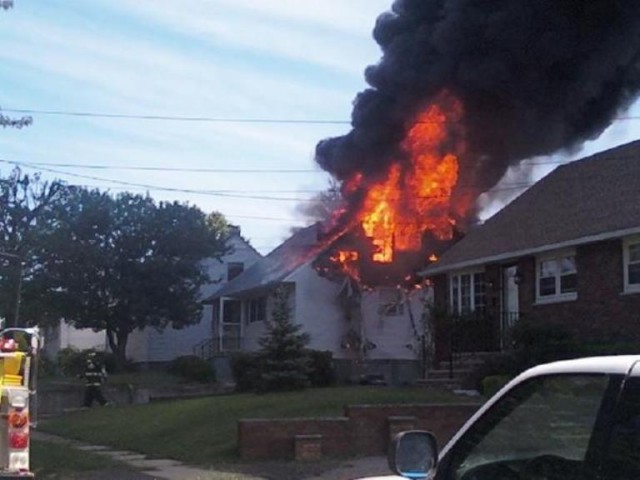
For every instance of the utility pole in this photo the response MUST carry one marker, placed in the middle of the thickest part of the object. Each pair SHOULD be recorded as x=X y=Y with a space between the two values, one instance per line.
x=18 y=260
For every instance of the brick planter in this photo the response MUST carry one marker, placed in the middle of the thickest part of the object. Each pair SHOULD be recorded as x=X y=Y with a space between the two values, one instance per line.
x=364 y=430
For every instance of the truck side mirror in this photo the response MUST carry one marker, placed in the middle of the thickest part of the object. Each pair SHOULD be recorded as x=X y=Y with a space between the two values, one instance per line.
x=414 y=455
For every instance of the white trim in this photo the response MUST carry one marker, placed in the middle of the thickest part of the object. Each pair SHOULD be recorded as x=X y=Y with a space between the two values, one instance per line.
x=565 y=297
x=626 y=243
x=472 y=293
x=434 y=270
x=556 y=255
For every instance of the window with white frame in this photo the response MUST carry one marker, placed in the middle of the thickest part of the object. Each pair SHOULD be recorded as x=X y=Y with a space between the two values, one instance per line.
x=632 y=265
x=256 y=310
x=557 y=277
x=468 y=292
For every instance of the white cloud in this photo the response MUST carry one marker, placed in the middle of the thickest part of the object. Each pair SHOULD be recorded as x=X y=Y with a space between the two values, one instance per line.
x=326 y=34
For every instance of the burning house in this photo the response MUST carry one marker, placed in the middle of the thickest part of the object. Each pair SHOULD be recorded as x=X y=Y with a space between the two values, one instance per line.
x=464 y=90
x=367 y=329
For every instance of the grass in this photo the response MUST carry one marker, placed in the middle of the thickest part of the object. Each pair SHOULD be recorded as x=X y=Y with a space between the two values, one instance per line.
x=60 y=461
x=204 y=431
x=139 y=379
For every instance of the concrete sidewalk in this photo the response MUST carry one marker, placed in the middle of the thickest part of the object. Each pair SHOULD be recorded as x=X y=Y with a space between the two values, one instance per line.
x=164 y=469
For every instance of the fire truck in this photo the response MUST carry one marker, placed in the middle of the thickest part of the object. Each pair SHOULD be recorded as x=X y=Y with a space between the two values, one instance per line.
x=19 y=350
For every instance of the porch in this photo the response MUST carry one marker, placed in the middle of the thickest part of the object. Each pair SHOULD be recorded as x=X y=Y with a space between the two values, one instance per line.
x=461 y=340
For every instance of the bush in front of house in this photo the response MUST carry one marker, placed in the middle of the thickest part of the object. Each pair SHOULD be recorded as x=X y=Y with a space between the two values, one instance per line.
x=493 y=383
x=322 y=369
x=193 y=369
x=285 y=362
x=71 y=361
x=533 y=342
x=46 y=367
x=537 y=342
x=498 y=365
x=245 y=368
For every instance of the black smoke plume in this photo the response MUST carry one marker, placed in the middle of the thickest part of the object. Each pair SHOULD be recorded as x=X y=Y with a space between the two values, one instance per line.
x=535 y=77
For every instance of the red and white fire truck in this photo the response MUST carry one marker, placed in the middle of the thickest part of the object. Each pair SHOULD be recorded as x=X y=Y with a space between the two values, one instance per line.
x=19 y=349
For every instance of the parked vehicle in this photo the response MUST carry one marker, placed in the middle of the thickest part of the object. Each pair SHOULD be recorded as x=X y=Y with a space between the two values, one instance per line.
x=19 y=349
x=569 y=420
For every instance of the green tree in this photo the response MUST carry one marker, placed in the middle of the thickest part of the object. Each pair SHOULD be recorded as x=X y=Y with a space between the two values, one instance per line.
x=8 y=122
x=285 y=361
x=123 y=263
x=25 y=205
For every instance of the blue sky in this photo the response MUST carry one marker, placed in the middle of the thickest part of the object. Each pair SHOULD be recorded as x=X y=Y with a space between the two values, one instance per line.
x=242 y=59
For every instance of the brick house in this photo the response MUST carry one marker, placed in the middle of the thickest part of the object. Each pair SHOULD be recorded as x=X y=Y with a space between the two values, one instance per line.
x=566 y=251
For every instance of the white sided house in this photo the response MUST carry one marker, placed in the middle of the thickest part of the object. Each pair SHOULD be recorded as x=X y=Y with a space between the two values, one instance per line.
x=151 y=347
x=370 y=332
x=64 y=336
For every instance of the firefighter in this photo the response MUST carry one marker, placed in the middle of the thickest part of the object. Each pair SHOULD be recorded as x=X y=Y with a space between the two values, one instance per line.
x=94 y=375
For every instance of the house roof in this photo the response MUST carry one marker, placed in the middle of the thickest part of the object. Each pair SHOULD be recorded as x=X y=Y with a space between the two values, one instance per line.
x=295 y=252
x=591 y=199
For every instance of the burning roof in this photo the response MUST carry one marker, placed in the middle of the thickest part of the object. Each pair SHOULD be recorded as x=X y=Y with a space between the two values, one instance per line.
x=464 y=89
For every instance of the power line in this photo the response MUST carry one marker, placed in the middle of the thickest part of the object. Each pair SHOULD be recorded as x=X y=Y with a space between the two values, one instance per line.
x=215 y=170
x=175 y=118
x=211 y=119
x=218 y=193
x=173 y=169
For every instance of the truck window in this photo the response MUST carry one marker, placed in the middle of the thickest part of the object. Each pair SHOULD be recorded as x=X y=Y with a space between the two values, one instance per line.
x=623 y=459
x=541 y=428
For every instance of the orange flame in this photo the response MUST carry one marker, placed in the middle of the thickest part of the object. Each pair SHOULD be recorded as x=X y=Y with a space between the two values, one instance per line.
x=415 y=195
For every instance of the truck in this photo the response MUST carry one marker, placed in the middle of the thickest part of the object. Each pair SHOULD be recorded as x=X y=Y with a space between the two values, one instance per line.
x=19 y=351
x=569 y=420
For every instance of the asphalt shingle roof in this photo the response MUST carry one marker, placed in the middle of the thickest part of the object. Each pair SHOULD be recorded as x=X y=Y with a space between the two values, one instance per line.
x=588 y=197
x=296 y=251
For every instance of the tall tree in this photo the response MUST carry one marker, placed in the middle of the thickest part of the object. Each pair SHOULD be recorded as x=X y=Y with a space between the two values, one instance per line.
x=8 y=122
x=25 y=204
x=124 y=263
x=285 y=361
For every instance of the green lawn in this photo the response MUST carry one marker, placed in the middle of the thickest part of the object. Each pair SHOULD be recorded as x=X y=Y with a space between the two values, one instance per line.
x=60 y=461
x=140 y=379
x=204 y=431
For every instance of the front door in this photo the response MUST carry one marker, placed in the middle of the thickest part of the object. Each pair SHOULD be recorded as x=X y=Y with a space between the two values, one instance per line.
x=231 y=334
x=510 y=304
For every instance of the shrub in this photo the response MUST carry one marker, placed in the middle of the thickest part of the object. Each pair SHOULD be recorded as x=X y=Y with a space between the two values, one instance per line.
x=285 y=364
x=323 y=373
x=46 y=367
x=245 y=368
x=504 y=364
x=534 y=342
x=538 y=342
x=192 y=368
x=493 y=383
x=609 y=348
x=71 y=361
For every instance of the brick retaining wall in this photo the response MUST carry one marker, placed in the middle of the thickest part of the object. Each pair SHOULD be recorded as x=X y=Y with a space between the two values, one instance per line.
x=266 y=439
x=364 y=430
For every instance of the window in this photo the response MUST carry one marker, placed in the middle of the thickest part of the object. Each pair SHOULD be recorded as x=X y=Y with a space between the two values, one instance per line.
x=543 y=425
x=256 y=310
x=557 y=277
x=468 y=293
x=391 y=302
x=632 y=265
x=623 y=459
x=234 y=269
